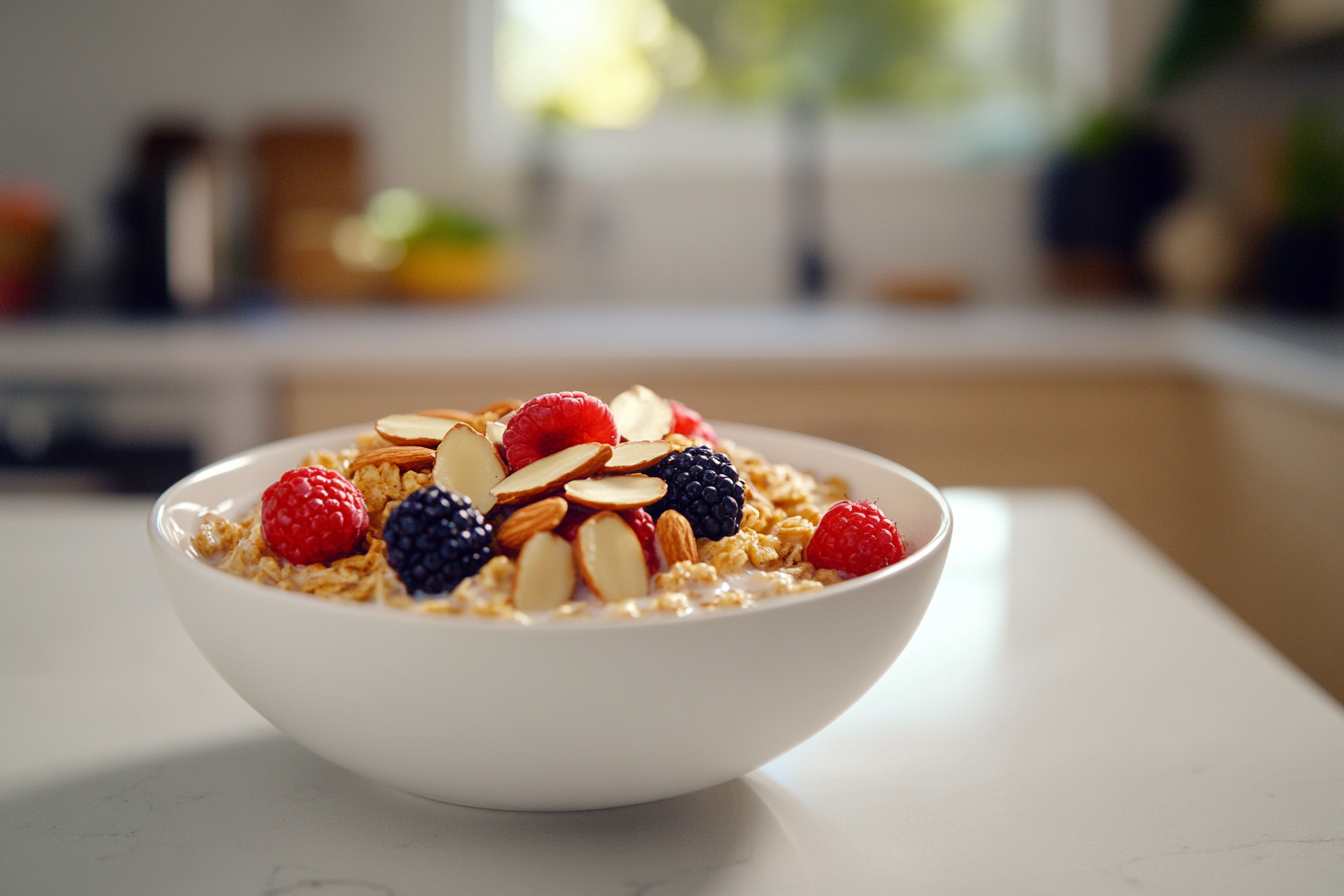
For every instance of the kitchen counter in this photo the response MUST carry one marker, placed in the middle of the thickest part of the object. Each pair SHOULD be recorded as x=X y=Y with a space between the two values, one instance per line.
x=1303 y=360
x=1073 y=716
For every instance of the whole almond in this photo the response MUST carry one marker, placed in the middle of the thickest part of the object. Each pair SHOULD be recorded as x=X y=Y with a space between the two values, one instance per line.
x=676 y=538
x=522 y=524
x=406 y=457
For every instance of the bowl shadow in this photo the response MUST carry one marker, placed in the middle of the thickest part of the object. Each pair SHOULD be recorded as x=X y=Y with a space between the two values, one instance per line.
x=265 y=816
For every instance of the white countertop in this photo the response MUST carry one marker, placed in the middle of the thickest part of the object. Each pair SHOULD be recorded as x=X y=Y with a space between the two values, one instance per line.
x=1074 y=716
x=1304 y=360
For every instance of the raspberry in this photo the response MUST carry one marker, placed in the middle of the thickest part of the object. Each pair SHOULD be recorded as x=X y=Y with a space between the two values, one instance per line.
x=855 y=537
x=552 y=422
x=435 y=539
x=689 y=423
x=704 y=486
x=646 y=529
x=313 y=515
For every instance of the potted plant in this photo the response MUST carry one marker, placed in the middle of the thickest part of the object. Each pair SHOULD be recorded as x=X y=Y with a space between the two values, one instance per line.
x=1098 y=197
x=1302 y=270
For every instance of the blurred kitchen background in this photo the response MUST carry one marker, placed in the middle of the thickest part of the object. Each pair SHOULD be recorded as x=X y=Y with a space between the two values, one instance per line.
x=1094 y=244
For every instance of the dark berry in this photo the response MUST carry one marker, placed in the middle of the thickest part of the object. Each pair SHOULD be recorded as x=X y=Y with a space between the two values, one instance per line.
x=704 y=487
x=435 y=539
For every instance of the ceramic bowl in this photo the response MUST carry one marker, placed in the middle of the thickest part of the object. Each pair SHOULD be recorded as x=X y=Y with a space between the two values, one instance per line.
x=561 y=714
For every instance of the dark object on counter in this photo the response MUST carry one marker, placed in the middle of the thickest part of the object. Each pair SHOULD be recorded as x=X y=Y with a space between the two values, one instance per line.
x=1098 y=198
x=47 y=447
x=1303 y=268
x=167 y=229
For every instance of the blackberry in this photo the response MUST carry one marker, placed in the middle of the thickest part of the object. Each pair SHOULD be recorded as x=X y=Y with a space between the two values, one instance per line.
x=435 y=539
x=703 y=486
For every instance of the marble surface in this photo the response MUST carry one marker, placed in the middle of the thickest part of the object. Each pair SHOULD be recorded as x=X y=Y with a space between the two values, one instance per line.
x=1074 y=716
x=1303 y=360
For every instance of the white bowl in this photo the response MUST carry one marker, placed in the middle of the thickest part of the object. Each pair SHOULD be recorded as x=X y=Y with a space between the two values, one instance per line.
x=567 y=714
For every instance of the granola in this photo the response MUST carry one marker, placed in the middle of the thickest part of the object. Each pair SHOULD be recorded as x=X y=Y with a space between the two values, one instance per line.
x=764 y=558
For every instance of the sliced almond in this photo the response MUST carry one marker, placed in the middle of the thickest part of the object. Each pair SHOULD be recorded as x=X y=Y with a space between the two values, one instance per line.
x=628 y=457
x=500 y=408
x=472 y=420
x=415 y=429
x=525 y=522
x=641 y=414
x=616 y=492
x=552 y=471
x=494 y=429
x=545 y=576
x=676 y=538
x=448 y=414
x=406 y=457
x=468 y=464
x=610 y=559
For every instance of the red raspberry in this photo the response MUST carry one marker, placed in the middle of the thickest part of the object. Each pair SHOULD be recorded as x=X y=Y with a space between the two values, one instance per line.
x=689 y=423
x=552 y=422
x=313 y=515
x=855 y=537
x=645 y=528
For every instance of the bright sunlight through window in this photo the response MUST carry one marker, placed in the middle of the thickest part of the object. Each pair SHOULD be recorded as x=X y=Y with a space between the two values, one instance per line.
x=610 y=64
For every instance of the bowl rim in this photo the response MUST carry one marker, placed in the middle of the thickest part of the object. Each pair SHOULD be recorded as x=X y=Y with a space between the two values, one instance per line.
x=158 y=516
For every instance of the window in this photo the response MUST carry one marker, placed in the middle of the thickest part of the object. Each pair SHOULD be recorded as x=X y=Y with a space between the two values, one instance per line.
x=633 y=81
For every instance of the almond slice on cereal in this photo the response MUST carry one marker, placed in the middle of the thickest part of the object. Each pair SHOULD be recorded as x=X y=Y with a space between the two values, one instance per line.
x=415 y=429
x=552 y=471
x=616 y=492
x=629 y=457
x=494 y=429
x=448 y=414
x=545 y=576
x=472 y=420
x=525 y=522
x=500 y=408
x=468 y=464
x=610 y=558
x=406 y=457
x=641 y=414
x=676 y=538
